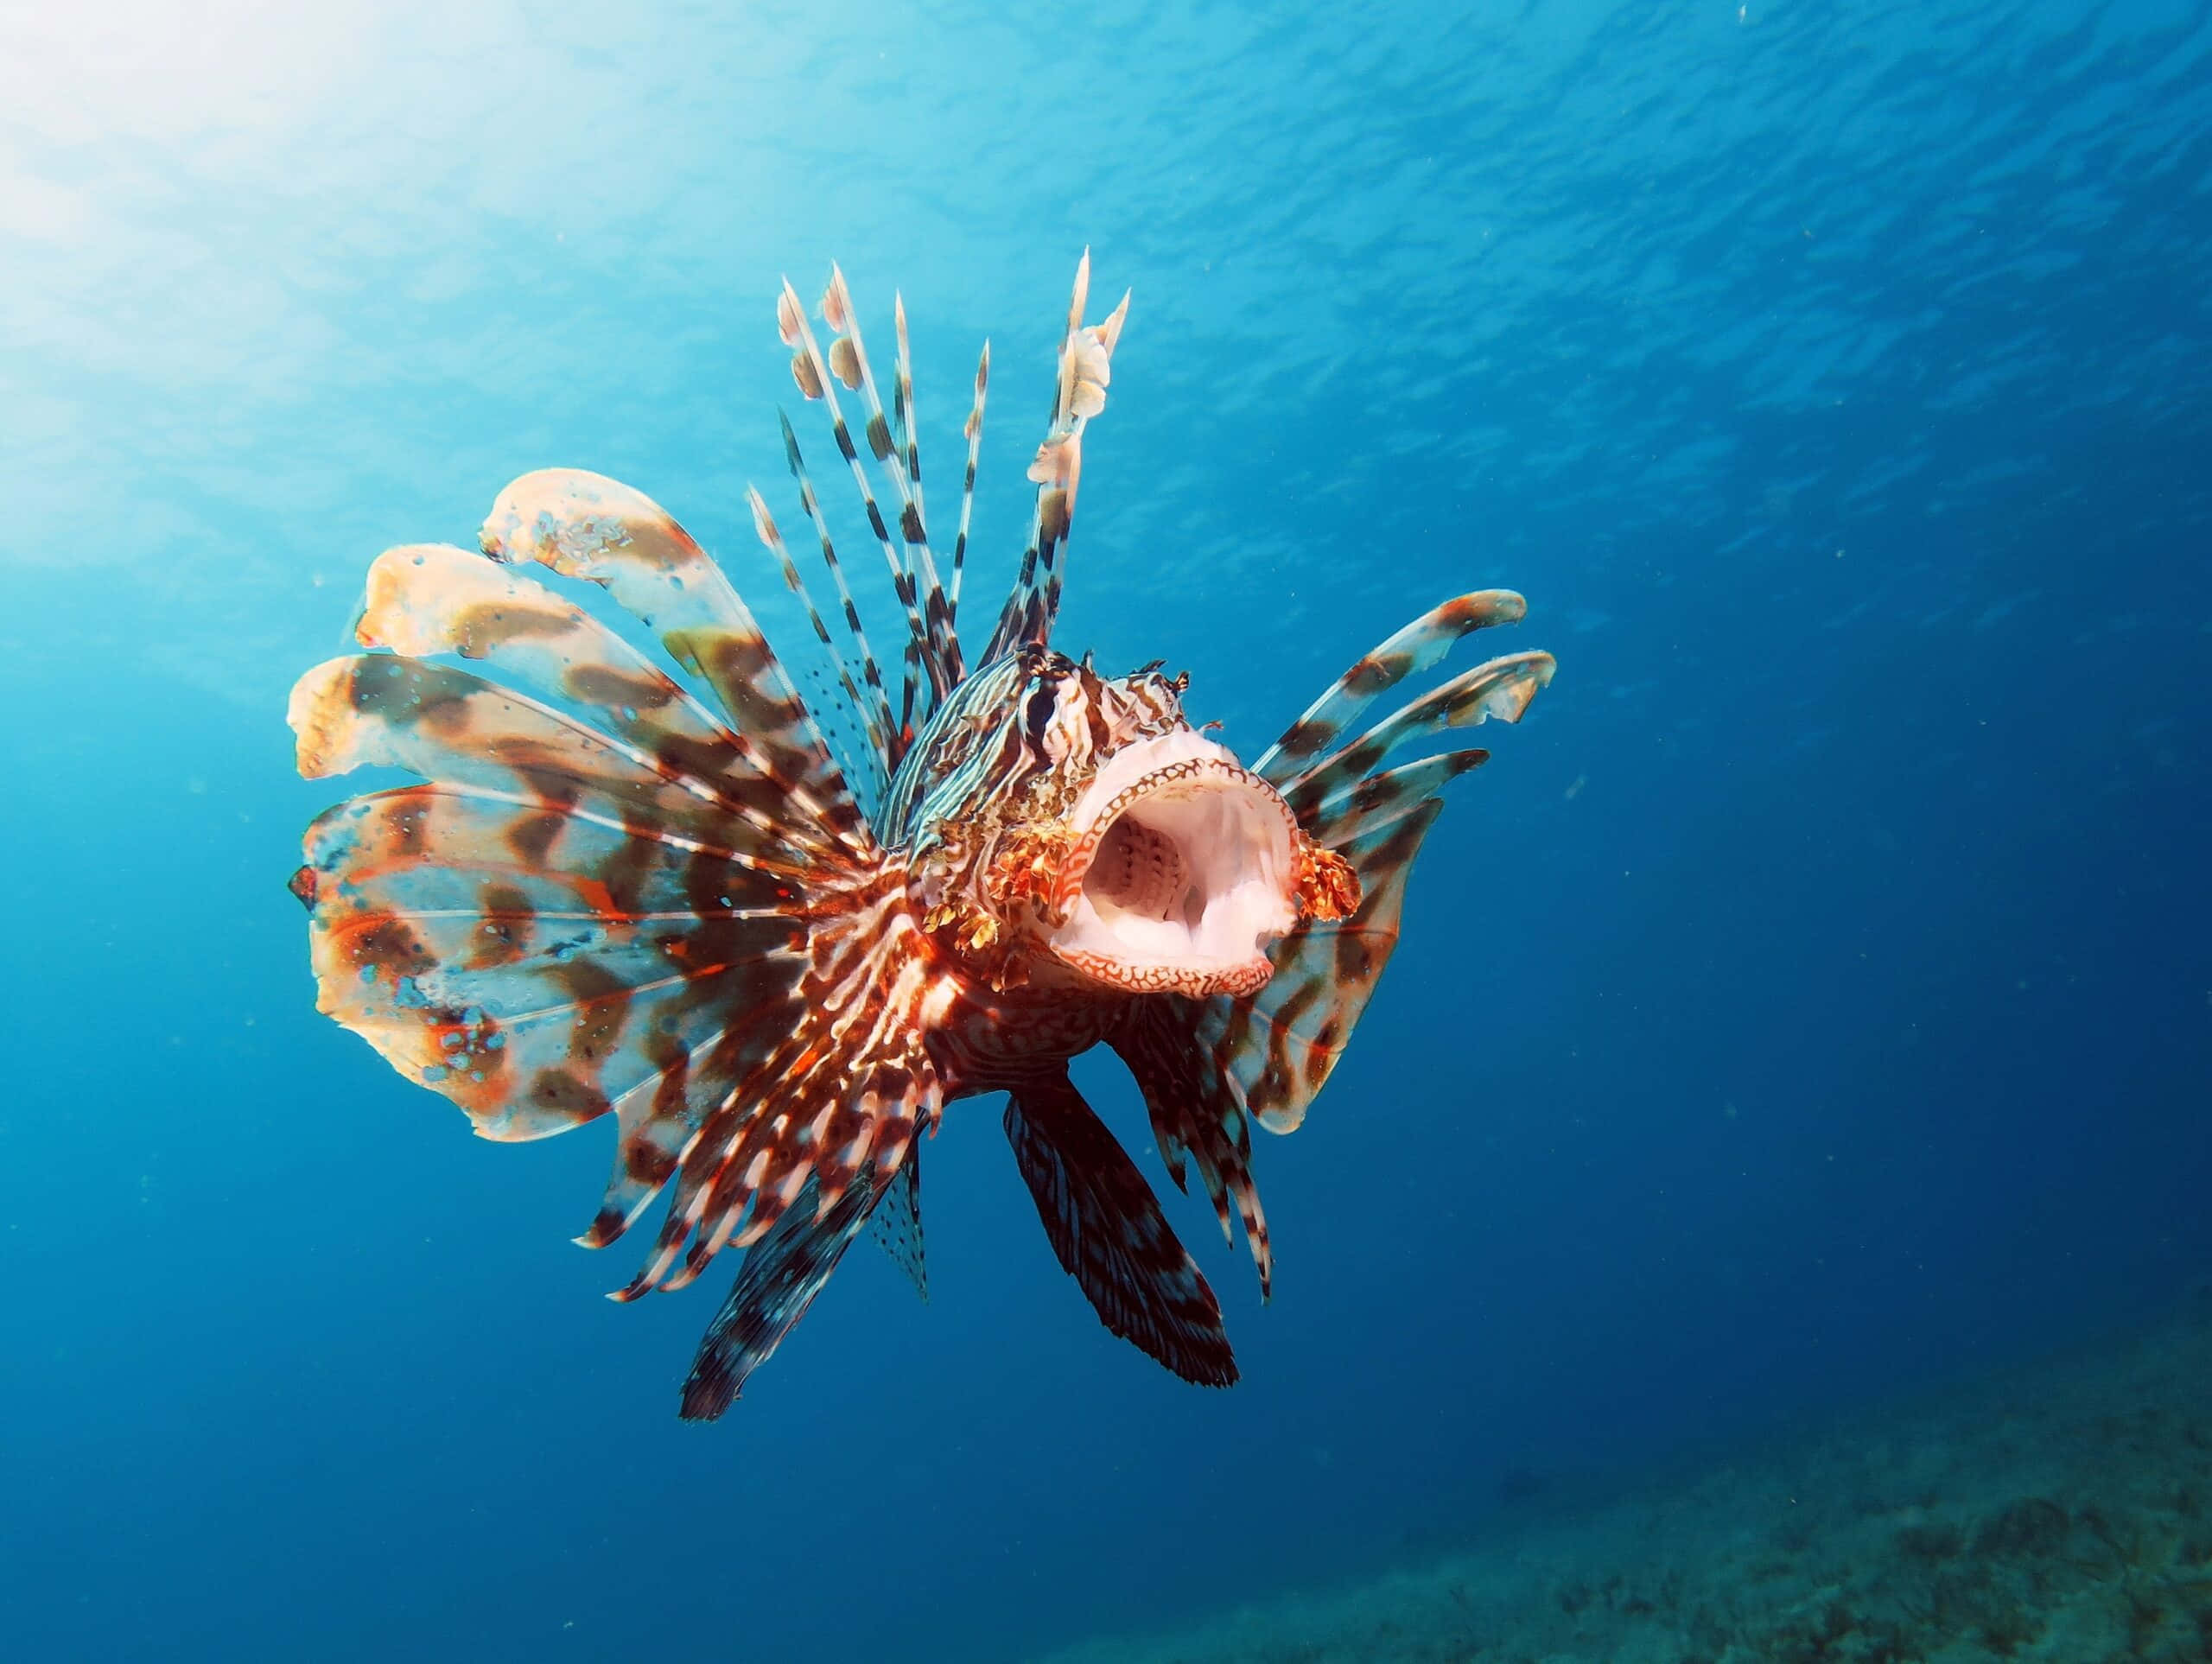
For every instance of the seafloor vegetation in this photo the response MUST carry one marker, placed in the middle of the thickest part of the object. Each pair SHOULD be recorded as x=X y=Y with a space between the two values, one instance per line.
x=2055 y=1513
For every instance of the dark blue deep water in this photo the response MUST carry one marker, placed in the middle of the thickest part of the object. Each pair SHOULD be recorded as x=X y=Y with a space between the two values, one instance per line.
x=1812 y=1000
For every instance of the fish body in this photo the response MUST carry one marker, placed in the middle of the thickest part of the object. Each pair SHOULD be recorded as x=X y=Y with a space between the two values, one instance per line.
x=659 y=891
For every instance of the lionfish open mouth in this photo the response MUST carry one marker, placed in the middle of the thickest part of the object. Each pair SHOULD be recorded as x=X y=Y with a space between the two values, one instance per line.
x=1181 y=872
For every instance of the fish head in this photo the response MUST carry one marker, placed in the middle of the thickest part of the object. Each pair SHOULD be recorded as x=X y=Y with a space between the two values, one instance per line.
x=1110 y=846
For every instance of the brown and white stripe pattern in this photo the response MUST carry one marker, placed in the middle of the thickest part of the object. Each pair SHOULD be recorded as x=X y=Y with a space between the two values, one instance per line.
x=620 y=889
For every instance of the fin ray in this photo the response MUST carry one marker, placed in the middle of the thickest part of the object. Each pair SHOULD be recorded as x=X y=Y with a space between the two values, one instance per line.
x=1417 y=647
x=1500 y=688
x=447 y=724
x=847 y=363
x=1085 y=372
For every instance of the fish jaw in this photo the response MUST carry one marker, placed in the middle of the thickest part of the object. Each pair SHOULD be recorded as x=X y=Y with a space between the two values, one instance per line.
x=1173 y=870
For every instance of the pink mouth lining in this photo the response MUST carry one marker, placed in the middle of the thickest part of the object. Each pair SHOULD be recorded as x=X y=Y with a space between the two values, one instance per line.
x=1180 y=874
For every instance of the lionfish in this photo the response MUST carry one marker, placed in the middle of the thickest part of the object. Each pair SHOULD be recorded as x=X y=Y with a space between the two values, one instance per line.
x=774 y=960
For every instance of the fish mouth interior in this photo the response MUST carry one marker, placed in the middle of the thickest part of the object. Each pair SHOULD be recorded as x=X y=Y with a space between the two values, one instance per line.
x=1181 y=872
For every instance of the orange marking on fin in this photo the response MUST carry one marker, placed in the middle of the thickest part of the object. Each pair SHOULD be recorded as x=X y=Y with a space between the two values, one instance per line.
x=597 y=897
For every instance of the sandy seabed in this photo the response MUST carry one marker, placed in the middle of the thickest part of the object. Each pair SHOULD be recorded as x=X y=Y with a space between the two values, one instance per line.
x=2058 y=1513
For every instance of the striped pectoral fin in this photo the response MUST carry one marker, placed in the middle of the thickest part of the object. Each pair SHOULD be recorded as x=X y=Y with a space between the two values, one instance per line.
x=584 y=526
x=1501 y=688
x=427 y=599
x=1109 y=1233
x=536 y=995
x=1334 y=717
x=1279 y=1045
x=782 y=1273
x=450 y=725
x=552 y=919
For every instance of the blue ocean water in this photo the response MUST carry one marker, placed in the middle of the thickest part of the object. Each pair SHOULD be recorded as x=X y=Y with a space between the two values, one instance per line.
x=1811 y=999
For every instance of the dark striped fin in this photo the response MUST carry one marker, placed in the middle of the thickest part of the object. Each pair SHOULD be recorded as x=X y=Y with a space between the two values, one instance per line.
x=1501 y=688
x=900 y=462
x=1208 y=1068
x=1418 y=647
x=849 y=362
x=838 y=1100
x=445 y=723
x=1278 y=1045
x=593 y=692
x=902 y=409
x=575 y=914
x=909 y=681
x=596 y=904
x=539 y=965
x=764 y=527
x=606 y=898
x=973 y=430
x=1376 y=801
x=898 y=453
x=1085 y=372
x=782 y=1273
x=814 y=378
x=871 y=671
x=609 y=897
x=937 y=610
x=1108 y=1234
